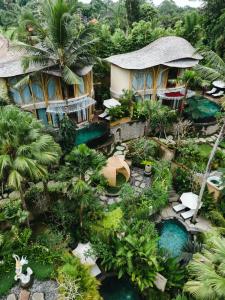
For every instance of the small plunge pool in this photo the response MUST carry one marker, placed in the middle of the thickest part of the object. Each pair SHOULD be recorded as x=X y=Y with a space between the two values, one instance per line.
x=113 y=288
x=173 y=236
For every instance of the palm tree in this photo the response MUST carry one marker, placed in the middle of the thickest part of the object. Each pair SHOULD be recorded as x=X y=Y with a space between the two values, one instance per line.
x=188 y=78
x=207 y=271
x=25 y=151
x=63 y=41
x=83 y=160
x=214 y=69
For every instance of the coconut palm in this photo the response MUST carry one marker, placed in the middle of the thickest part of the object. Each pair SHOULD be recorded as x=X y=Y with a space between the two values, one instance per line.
x=213 y=69
x=83 y=160
x=63 y=40
x=25 y=152
x=207 y=271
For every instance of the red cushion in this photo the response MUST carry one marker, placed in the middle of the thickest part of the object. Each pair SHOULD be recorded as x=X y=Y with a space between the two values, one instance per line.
x=174 y=94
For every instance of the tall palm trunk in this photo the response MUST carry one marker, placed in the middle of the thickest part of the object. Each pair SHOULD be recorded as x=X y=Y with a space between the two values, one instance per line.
x=206 y=175
x=46 y=193
x=24 y=205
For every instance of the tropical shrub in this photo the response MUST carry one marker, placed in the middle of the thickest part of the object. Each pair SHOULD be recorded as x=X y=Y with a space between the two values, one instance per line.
x=118 y=112
x=139 y=112
x=142 y=149
x=182 y=180
x=173 y=272
x=25 y=152
x=72 y=274
x=206 y=270
x=67 y=132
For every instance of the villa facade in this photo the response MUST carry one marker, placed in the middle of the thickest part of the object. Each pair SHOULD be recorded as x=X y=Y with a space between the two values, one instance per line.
x=153 y=69
x=45 y=94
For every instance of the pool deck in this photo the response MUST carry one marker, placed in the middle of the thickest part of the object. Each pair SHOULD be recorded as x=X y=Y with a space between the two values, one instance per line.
x=201 y=225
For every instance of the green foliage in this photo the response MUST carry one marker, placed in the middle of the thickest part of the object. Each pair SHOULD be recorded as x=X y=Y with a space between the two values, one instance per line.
x=182 y=180
x=74 y=271
x=68 y=133
x=133 y=10
x=161 y=117
x=213 y=22
x=66 y=40
x=139 y=112
x=25 y=152
x=110 y=223
x=206 y=270
x=83 y=159
x=6 y=281
x=13 y=213
x=173 y=272
x=42 y=271
x=142 y=149
x=118 y=112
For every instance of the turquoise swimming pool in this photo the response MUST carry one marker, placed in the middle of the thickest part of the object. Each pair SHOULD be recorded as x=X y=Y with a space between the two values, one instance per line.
x=173 y=237
x=118 y=289
x=90 y=133
x=200 y=108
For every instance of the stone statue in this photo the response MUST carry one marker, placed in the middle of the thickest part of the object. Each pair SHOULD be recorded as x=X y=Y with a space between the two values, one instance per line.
x=25 y=279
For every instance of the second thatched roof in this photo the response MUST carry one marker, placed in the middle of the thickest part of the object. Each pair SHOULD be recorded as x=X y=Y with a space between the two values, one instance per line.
x=170 y=51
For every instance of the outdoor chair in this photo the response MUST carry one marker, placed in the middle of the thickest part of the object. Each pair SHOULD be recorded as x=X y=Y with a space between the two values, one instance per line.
x=212 y=91
x=188 y=214
x=219 y=94
x=179 y=207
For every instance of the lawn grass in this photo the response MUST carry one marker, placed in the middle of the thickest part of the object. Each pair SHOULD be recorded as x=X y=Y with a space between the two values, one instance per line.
x=6 y=282
x=205 y=150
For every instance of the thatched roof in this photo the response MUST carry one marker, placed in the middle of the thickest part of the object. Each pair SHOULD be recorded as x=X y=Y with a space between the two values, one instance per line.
x=169 y=51
x=11 y=63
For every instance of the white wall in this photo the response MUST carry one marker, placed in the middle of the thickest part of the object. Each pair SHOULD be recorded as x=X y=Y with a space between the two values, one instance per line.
x=120 y=80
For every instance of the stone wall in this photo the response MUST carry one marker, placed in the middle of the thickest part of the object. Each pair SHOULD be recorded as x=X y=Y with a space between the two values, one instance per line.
x=128 y=131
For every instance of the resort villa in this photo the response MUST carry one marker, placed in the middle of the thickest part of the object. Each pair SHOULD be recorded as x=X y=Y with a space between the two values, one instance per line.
x=45 y=93
x=153 y=70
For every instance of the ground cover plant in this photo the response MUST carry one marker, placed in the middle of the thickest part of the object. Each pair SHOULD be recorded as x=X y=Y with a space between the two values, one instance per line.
x=52 y=189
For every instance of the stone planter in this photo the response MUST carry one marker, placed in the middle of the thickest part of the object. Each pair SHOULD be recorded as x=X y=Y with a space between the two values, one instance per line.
x=168 y=154
x=120 y=121
x=214 y=187
x=148 y=170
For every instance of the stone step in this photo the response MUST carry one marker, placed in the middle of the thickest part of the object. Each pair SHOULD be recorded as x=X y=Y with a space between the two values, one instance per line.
x=38 y=296
x=24 y=295
x=11 y=297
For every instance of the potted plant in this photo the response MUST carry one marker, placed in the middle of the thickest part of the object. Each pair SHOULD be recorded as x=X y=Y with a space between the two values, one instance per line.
x=148 y=167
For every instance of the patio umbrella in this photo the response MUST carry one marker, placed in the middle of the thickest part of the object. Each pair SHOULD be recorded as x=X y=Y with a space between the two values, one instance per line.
x=219 y=84
x=82 y=253
x=189 y=200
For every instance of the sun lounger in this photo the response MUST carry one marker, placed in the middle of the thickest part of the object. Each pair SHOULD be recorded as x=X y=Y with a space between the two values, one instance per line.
x=220 y=94
x=188 y=214
x=179 y=207
x=212 y=91
x=103 y=115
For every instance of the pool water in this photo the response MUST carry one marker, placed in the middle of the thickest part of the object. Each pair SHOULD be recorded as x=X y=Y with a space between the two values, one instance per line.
x=173 y=237
x=204 y=107
x=118 y=289
x=90 y=133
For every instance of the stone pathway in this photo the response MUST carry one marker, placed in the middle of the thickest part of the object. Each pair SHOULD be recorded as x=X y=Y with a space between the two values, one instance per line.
x=138 y=180
x=40 y=290
x=203 y=140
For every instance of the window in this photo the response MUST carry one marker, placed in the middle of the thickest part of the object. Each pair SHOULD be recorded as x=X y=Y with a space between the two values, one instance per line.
x=172 y=77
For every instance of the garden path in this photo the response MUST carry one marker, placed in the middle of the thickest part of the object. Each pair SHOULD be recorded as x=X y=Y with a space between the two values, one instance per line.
x=138 y=180
x=40 y=290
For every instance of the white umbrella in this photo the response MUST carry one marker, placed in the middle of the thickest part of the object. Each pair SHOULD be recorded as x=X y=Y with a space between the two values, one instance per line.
x=219 y=84
x=82 y=253
x=189 y=200
x=111 y=103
